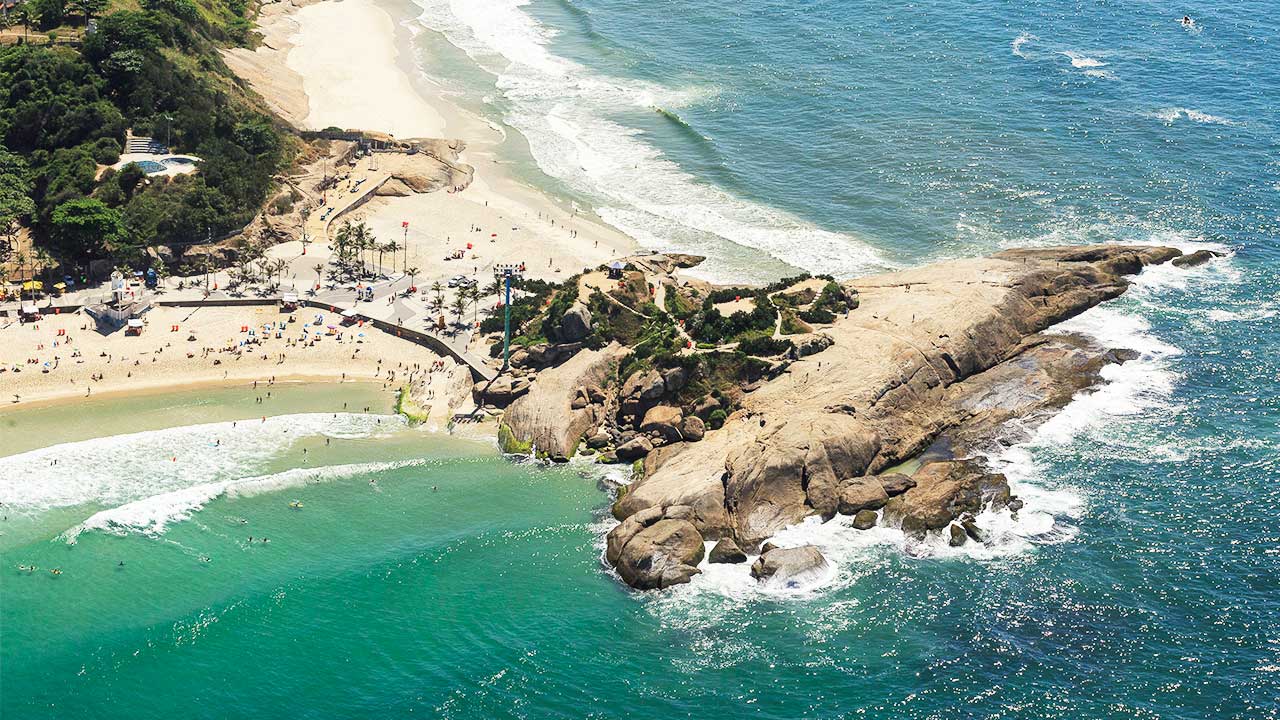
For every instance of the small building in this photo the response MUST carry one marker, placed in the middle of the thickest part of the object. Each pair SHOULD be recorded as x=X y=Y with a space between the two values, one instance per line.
x=133 y=326
x=28 y=312
x=350 y=317
x=615 y=270
x=289 y=302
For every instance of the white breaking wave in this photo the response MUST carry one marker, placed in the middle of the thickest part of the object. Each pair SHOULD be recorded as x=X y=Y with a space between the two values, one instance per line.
x=1082 y=61
x=122 y=469
x=1091 y=67
x=1171 y=115
x=565 y=111
x=1018 y=42
x=153 y=514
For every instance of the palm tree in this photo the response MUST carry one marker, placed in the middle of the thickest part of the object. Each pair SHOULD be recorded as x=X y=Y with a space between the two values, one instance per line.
x=319 y=268
x=437 y=302
x=281 y=265
x=413 y=276
x=472 y=295
x=394 y=247
x=381 y=249
x=459 y=307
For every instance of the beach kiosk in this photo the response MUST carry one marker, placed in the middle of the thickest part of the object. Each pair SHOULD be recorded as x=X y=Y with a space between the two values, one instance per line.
x=349 y=317
x=28 y=312
x=615 y=270
x=289 y=302
x=133 y=326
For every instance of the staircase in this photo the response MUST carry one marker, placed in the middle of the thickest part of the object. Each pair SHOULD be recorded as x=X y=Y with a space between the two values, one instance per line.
x=144 y=144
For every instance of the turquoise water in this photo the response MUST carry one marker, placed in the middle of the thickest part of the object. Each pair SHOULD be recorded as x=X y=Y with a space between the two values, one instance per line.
x=1140 y=581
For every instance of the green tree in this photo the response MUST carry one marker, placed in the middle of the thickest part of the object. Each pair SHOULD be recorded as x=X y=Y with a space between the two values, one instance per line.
x=85 y=227
x=90 y=8
x=49 y=12
x=15 y=198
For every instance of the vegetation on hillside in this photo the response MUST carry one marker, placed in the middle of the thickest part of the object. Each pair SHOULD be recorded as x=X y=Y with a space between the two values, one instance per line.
x=155 y=69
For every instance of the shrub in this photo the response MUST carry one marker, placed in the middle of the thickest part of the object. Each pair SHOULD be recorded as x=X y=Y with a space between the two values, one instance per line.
x=818 y=315
x=764 y=346
x=716 y=419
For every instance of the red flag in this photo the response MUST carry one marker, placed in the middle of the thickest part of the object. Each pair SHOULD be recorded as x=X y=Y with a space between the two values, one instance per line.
x=404 y=223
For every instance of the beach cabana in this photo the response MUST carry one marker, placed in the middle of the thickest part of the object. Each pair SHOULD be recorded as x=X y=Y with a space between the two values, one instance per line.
x=133 y=326
x=349 y=317
x=615 y=270
x=28 y=312
x=289 y=302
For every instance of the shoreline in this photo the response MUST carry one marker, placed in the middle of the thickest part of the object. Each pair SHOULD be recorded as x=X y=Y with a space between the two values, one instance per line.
x=305 y=42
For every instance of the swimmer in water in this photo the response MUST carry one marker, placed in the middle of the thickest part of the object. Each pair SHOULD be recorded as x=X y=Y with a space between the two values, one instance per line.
x=56 y=571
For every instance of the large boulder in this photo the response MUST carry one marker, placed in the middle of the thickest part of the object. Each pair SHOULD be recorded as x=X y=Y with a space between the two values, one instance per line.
x=944 y=492
x=788 y=567
x=862 y=493
x=895 y=484
x=865 y=520
x=660 y=555
x=634 y=449
x=811 y=344
x=664 y=420
x=504 y=390
x=1198 y=257
x=641 y=391
x=693 y=429
x=576 y=323
x=726 y=551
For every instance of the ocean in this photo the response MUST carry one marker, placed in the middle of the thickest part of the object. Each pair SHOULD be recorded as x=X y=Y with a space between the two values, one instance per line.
x=409 y=574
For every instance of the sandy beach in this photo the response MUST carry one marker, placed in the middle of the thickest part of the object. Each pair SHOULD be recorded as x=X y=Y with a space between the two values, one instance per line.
x=338 y=64
x=64 y=357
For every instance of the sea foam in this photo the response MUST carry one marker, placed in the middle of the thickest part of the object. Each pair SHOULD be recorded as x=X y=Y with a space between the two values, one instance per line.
x=1170 y=115
x=121 y=469
x=567 y=111
x=152 y=515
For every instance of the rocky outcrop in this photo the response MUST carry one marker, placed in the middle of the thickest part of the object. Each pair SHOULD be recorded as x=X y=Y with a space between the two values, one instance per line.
x=944 y=492
x=504 y=389
x=652 y=551
x=543 y=355
x=949 y=350
x=788 y=567
x=546 y=416
x=1198 y=257
x=576 y=323
x=792 y=470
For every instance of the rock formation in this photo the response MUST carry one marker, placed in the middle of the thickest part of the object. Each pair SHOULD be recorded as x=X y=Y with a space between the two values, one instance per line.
x=949 y=351
x=545 y=415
